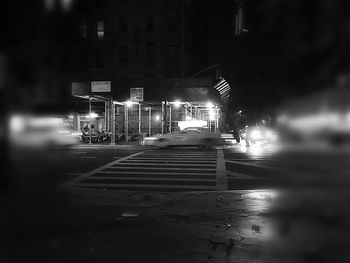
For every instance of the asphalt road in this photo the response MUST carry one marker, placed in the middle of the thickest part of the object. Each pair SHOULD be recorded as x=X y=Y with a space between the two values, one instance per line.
x=161 y=222
x=181 y=169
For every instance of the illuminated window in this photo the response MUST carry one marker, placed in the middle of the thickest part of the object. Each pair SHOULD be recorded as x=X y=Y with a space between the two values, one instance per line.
x=83 y=30
x=100 y=29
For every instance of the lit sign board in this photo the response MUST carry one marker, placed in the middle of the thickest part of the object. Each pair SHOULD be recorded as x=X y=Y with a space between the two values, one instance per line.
x=80 y=88
x=100 y=86
x=136 y=94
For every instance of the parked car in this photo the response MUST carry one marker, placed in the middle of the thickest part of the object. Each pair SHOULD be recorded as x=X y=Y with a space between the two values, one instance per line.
x=196 y=136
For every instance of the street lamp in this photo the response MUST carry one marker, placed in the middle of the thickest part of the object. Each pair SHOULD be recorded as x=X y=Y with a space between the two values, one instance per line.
x=177 y=103
x=209 y=105
x=93 y=115
x=129 y=103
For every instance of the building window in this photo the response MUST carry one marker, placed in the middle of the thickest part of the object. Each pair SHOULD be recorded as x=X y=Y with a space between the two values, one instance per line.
x=150 y=51
x=149 y=23
x=172 y=50
x=99 y=58
x=124 y=24
x=83 y=30
x=123 y=56
x=100 y=29
x=172 y=23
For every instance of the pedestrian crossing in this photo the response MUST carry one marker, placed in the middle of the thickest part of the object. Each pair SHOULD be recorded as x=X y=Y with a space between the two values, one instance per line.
x=184 y=169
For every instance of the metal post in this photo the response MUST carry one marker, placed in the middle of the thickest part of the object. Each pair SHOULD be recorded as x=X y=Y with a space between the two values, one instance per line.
x=112 y=125
x=139 y=118
x=126 y=128
x=217 y=119
x=149 y=121
x=170 y=118
x=105 y=118
x=163 y=117
x=90 y=128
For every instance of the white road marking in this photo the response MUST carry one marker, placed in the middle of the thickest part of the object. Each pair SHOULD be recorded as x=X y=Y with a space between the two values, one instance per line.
x=88 y=157
x=221 y=179
x=130 y=163
x=151 y=179
x=159 y=168
x=155 y=173
x=162 y=167
x=239 y=175
x=101 y=168
x=143 y=186
x=253 y=165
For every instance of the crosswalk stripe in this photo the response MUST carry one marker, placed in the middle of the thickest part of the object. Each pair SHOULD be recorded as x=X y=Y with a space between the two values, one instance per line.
x=142 y=186
x=113 y=173
x=168 y=161
x=150 y=179
x=101 y=168
x=168 y=168
x=162 y=170
x=221 y=178
x=127 y=163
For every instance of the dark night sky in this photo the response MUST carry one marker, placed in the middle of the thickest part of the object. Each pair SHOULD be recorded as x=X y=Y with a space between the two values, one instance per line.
x=293 y=48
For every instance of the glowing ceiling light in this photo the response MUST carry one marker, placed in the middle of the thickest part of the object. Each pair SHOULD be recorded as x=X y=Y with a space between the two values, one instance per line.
x=177 y=103
x=93 y=115
x=210 y=105
x=128 y=103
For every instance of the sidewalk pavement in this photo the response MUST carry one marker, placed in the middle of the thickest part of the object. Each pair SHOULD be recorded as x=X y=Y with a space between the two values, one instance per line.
x=89 y=225
x=110 y=145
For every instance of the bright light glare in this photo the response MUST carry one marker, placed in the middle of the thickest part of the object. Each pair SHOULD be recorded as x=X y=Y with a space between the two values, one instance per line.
x=261 y=195
x=157 y=117
x=177 y=103
x=210 y=105
x=16 y=124
x=93 y=115
x=63 y=131
x=211 y=114
x=255 y=150
x=255 y=135
x=128 y=103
